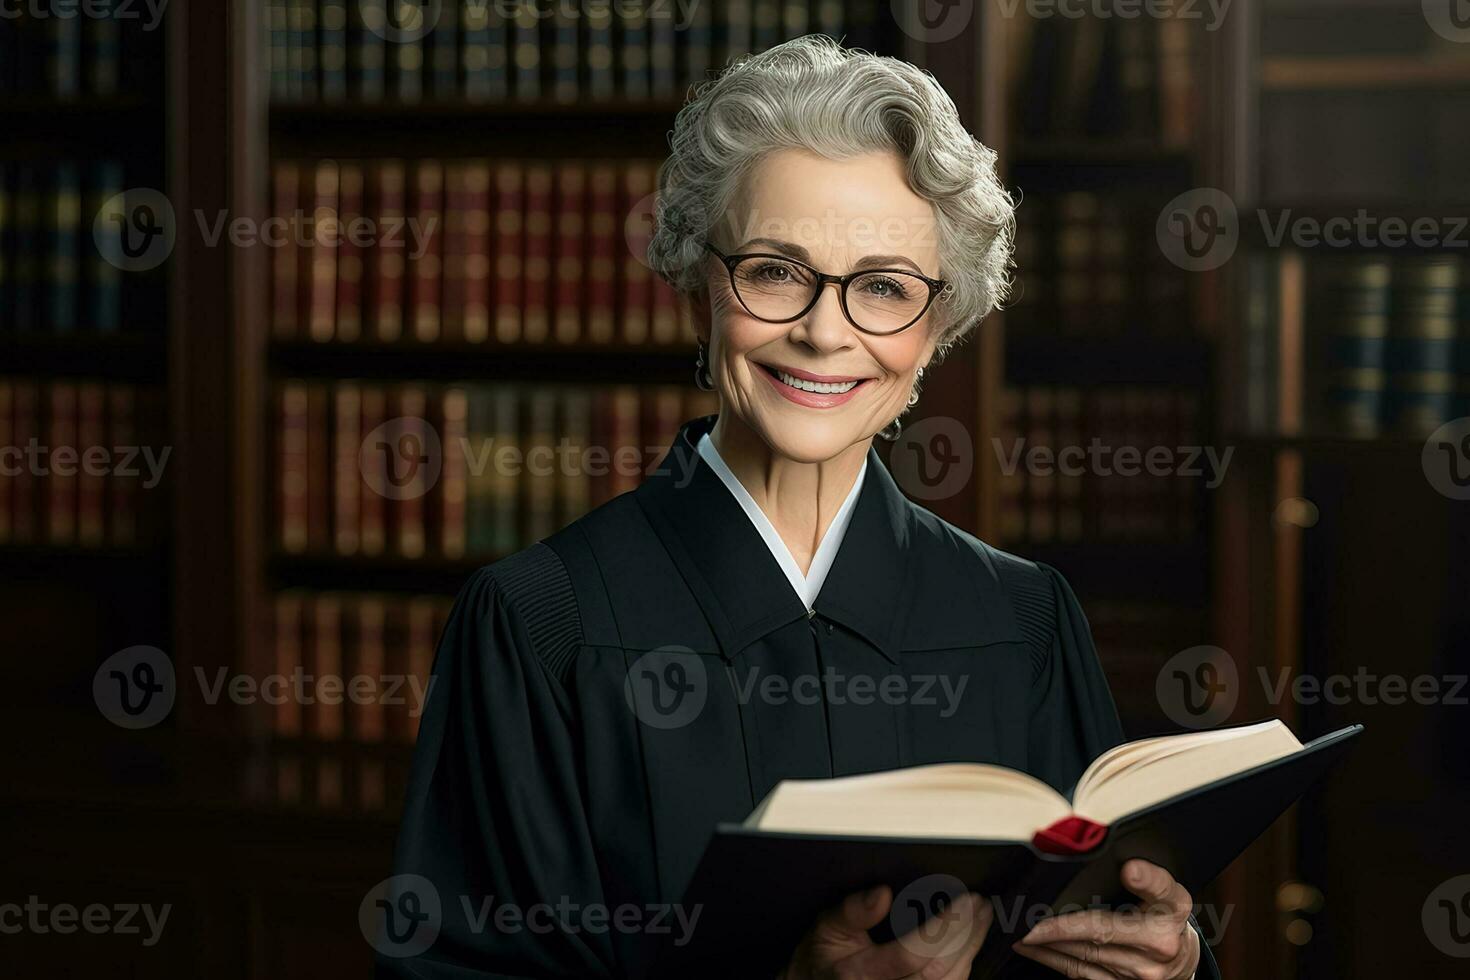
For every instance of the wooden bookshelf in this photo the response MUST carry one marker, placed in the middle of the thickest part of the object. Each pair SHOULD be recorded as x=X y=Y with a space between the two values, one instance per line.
x=1363 y=73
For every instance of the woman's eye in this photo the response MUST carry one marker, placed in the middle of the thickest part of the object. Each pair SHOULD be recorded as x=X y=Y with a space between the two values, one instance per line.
x=773 y=273
x=884 y=288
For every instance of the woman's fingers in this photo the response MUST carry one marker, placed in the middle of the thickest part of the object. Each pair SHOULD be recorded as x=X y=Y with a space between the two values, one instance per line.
x=858 y=913
x=1157 y=887
x=930 y=951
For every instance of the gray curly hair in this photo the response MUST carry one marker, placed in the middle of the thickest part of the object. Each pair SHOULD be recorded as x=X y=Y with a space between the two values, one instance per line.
x=812 y=93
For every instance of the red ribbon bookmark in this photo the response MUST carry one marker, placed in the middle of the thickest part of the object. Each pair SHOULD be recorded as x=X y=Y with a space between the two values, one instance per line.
x=1072 y=835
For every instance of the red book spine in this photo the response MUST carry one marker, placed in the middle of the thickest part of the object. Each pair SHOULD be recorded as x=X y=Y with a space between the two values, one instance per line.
x=321 y=254
x=453 y=481
x=509 y=230
x=571 y=260
x=602 y=248
x=353 y=237
x=636 y=279
x=421 y=610
x=291 y=460
x=408 y=504
x=318 y=469
x=456 y=204
x=346 y=481
x=62 y=465
x=388 y=251
x=396 y=641
x=284 y=278
x=288 y=616
x=626 y=442
x=424 y=240
x=367 y=660
x=374 y=537
x=536 y=308
x=477 y=253
x=94 y=449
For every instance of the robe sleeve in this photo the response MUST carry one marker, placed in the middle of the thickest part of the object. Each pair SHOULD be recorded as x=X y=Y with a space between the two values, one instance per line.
x=494 y=811
x=1073 y=717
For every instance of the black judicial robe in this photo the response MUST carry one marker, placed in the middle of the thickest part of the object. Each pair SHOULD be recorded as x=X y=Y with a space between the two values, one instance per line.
x=546 y=782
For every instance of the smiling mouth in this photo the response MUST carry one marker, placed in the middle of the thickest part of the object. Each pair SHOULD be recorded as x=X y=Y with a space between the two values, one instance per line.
x=833 y=386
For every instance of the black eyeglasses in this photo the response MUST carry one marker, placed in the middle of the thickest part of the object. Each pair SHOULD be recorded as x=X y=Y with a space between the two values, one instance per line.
x=779 y=289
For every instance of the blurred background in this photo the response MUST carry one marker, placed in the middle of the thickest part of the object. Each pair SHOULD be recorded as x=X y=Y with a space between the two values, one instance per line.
x=277 y=279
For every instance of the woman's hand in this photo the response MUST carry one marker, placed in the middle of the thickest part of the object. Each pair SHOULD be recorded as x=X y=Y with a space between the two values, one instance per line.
x=839 y=948
x=1154 y=942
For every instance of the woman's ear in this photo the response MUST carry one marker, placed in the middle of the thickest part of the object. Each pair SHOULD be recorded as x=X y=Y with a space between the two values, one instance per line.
x=699 y=312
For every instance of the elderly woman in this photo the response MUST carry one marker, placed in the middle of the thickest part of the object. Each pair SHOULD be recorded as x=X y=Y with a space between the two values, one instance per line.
x=606 y=697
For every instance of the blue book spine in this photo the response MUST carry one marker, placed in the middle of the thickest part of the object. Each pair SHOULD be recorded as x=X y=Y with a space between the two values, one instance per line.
x=633 y=50
x=1357 y=347
x=600 y=53
x=699 y=35
x=1421 y=353
x=566 y=54
x=527 y=42
x=27 y=225
x=104 y=54
x=64 y=56
x=278 y=36
x=65 y=216
x=369 y=51
x=444 y=52
x=104 y=280
x=662 y=50
x=332 y=26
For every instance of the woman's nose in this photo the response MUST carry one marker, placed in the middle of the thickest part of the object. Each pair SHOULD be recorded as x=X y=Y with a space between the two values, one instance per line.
x=825 y=327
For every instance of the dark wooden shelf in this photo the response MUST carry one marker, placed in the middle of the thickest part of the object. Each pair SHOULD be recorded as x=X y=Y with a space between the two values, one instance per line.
x=585 y=129
x=491 y=362
x=18 y=561
x=120 y=357
x=1035 y=358
x=1363 y=73
x=427 y=576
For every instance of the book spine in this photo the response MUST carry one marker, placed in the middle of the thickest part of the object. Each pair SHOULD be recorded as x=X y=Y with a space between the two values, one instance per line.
x=637 y=281
x=479 y=479
x=421 y=615
x=374 y=466
x=91 y=480
x=318 y=469
x=566 y=53
x=289 y=629
x=766 y=18
x=1041 y=499
x=536 y=271
x=369 y=52
x=505 y=524
x=351 y=225
x=1421 y=352
x=61 y=465
x=64 y=58
x=477 y=253
x=406 y=53
x=699 y=39
x=540 y=482
x=600 y=73
x=321 y=314
x=602 y=252
x=388 y=251
x=571 y=262
x=103 y=49
x=575 y=490
x=526 y=28
x=831 y=19
x=409 y=540
x=26 y=277
x=456 y=208
x=633 y=50
x=65 y=216
x=347 y=484
x=285 y=184
x=104 y=280
x=453 y=480
x=626 y=471
x=663 y=50
x=278 y=27
x=26 y=397
x=424 y=241
x=509 y=215
x=7 y=439
x=444 y=51
x=306 y=47
x=736 y=31
x=485 y=62
x=795 y=16
x=291 y=466
x=368 y=658
x=1357 y=342
x=333 y=20
x=324 y=660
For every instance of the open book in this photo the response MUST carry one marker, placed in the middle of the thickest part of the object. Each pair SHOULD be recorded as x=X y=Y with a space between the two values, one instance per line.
x=1189 y=803
x=962 y=800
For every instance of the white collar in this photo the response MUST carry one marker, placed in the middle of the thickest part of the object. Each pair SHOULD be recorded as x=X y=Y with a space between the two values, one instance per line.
x=807 y=586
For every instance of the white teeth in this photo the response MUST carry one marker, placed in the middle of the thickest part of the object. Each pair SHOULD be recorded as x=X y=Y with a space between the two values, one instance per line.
x=816 y=387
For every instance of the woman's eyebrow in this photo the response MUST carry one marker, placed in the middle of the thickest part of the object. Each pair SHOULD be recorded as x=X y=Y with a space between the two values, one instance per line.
x=800 y=253
x=887 y=262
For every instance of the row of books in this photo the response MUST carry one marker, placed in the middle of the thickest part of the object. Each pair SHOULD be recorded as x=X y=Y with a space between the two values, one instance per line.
x=53 y=278
x=489 y=50
x=469 y=252
x=81 y=463
x=363 y=662
x=1135 y=640
x=99 y=48
x=1089 y=263
x=1103 y=464
x=416 y=470
x=1108 y=77
x=1393 y=342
